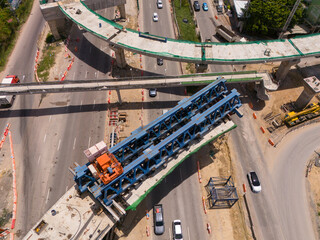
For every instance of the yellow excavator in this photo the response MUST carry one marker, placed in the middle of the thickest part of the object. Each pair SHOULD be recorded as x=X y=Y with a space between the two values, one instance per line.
x=309 y=112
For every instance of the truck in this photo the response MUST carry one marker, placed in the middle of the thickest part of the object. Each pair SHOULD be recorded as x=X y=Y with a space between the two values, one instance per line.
x=309 y=112
x=7 y=101
x=226 y=33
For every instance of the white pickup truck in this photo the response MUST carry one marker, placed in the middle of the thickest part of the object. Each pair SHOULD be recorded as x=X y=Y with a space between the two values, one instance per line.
x=7 y=101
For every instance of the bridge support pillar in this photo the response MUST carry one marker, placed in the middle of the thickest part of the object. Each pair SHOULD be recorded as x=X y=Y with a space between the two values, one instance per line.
x=119 y=96
x=304 y=98
x=122 y=10
x=120 y=58
x=284 y=69
x=54 y=29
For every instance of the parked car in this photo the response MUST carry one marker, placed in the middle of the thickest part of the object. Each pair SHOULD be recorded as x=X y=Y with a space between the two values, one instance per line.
x=158 y=219
x=152 y=92
x=177 y=230
x=254 y=182
x=219 y=9
x=155 y=17
x=160 y=61
x=205 y=6
x=196 y=6
x=159 y=4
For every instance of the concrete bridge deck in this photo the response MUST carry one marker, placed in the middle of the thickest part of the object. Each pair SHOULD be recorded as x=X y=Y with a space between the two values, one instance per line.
x=186 y=51
x=131 y=83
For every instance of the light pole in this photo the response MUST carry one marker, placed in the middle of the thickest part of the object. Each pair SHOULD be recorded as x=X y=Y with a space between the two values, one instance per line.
x=131 y=74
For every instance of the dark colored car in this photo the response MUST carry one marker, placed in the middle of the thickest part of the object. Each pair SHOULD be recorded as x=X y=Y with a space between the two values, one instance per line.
x=160 y=61
x=158 y=219
x=196 y=6
x=219 y=9
x=152 y=92
x=254 y=182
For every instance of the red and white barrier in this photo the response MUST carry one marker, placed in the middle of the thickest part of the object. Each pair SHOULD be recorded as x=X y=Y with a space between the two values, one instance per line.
x=199 y=174
x=204 y=205
x=209 y=228
x=14 y=185
x=6 y=131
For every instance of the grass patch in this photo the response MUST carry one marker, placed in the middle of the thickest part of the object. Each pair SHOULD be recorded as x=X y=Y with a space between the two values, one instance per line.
x=187 y=30
x=5 y=217
x=47 y=62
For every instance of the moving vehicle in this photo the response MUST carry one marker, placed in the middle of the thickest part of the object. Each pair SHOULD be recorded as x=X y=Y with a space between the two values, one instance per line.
x=158 y=219
x=219 y=9
x=7 y=101
x=155 y=17
x=160 y=61
x=177 y=230
x=254 y=182
x=205 y=6
x=309 y=112
x=152 y=92
x=159 y=4
x=196 y=6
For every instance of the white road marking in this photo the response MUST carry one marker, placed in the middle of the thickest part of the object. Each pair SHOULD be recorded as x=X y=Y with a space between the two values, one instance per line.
x=23 y=78
x=50 y=118
x=188 y=233
x=86 y=74
x=74 y=75
x=170 y=233
x=39 y=159
x=89 y=142
x=48 y=195
x=45 y=137
x=74 y=143
x=59 y=145
x=94 y=103
x=81 y=105
x=95 y=74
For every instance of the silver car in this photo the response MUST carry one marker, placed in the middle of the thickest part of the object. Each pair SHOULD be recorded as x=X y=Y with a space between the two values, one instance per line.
x=158 y=219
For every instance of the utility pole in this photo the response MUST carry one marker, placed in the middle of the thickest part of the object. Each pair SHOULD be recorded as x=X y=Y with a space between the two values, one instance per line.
x=293 y=11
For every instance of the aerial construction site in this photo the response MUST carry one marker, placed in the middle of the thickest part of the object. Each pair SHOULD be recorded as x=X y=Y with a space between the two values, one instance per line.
x=122 y=127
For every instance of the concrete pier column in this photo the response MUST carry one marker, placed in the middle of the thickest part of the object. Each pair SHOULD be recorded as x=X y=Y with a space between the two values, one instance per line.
x=284 y=69
x=54 y=29
x=119 y=96
x=304 y=98
x=120 y=58
x=122 y=10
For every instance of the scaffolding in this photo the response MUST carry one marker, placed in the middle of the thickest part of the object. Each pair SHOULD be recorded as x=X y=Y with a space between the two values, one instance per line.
x=222 y=192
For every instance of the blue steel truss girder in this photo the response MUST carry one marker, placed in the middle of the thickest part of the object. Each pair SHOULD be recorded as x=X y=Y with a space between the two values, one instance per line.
x=155 y=156
x=143 y=137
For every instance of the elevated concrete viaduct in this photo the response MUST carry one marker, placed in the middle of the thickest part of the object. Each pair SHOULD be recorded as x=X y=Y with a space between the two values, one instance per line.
x=288 y=51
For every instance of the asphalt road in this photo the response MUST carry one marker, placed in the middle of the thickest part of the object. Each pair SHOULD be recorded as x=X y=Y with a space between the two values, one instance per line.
x=50 y=132
x=280 y=210
x=179 y=200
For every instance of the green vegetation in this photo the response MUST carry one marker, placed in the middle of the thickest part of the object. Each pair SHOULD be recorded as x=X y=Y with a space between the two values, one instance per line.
x=187 y=30
x=5 y=217
x=47 y=61
x=11 y=21
x=267 y=17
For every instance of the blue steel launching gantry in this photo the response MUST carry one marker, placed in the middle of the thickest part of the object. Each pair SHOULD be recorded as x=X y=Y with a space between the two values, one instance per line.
x=110 y=173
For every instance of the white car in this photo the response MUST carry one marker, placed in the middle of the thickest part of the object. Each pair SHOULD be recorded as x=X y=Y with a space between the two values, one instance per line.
x=159 y=4
x=254 y=182
x=177 y=230
x=155 y=17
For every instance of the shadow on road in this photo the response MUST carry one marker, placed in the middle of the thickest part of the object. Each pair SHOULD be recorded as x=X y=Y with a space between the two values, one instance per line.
x=82 y=108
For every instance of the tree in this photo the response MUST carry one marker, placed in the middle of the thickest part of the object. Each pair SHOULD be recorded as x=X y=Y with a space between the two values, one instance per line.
x=267 y=17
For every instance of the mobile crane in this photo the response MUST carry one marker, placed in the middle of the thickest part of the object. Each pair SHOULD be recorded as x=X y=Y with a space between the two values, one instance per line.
x=309 y=112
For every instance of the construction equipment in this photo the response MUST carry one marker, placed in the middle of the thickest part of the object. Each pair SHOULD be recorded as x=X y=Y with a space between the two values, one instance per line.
x=7 y=100
x=150 y=147
x=309 y=112
x=102 y=164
